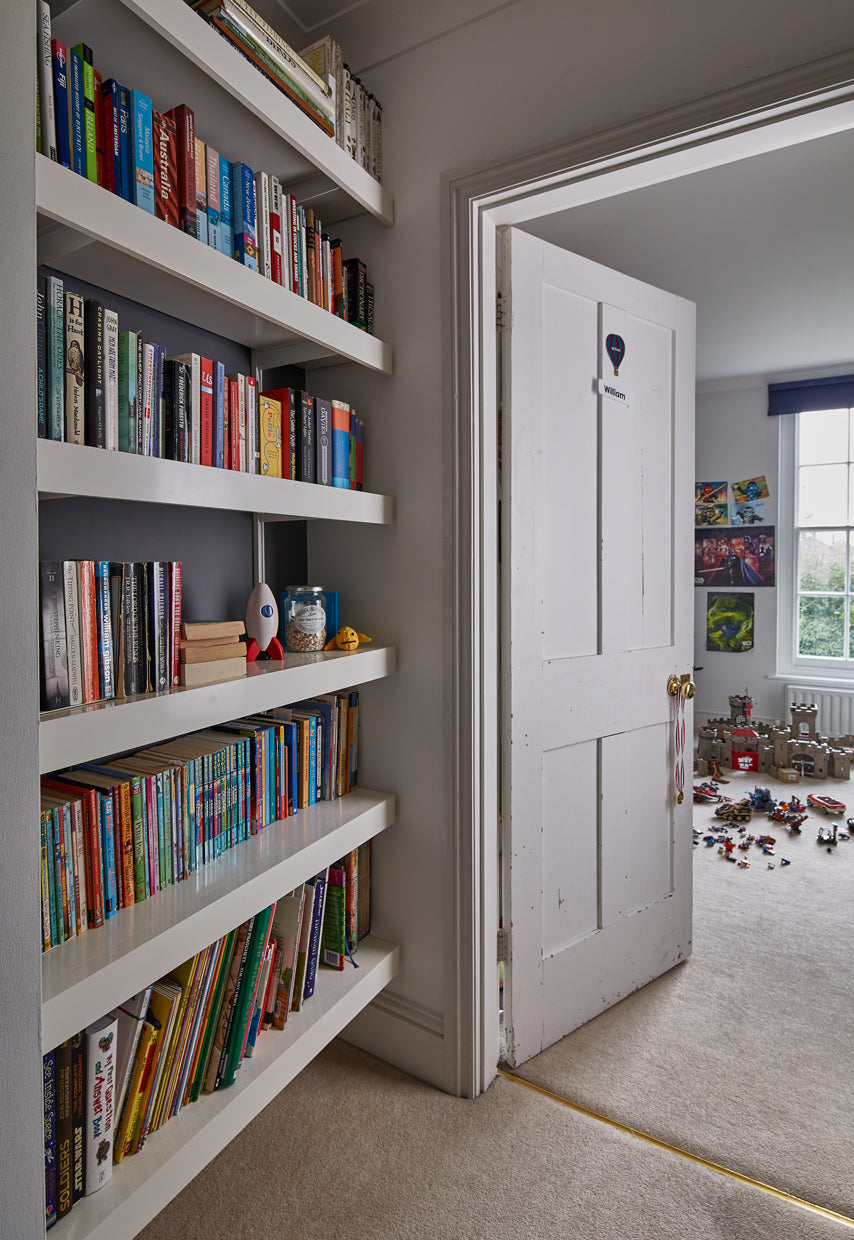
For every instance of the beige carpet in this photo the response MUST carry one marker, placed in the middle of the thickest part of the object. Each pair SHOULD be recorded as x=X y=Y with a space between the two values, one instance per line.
x=743 y=1054
x=355 y=1150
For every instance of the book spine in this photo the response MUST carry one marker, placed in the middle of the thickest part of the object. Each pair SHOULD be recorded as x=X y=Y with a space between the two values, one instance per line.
x=175 y=598
x=111 y=378
x=185 y=132
x=201 y=192
x=149 y=377
x=323 y=441
x=55 y=344
x=64 y=1134
x=337 y=304
x=270 y=436
x=46 y=100
x=243 y=205
x=112 y=136
x=106 y=680
x=126 y=145
x=49 y=1088
x=143 y=150
x=253 y=460
x=54 y=664
x=78 y=1117
x=226 y=211
x=165 y=162
x=262 y=206
x=219 y=414
x=100 y=1093
x=206 y=393
x=127 y=410
x=313 y=956
x=88 y=629
x=75 y=371
x=360 y=453
x=100 y=152
x=213 y=184
x=94 y=397
x=234 y=392
x=72 y=633
x=41 y=354
x=333 y=941
x=76 y=107
x=340 y=444
x=278 y=268
x=89 y=132
x=304 y=417
x=59 y=56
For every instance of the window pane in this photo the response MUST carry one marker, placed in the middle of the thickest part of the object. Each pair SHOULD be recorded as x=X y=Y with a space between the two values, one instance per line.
x=823 y=437
x=821 y=560
x=823 y=495
x=821 y=627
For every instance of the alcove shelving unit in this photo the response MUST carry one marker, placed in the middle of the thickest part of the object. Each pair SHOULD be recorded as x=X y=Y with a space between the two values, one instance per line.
x=163 y=48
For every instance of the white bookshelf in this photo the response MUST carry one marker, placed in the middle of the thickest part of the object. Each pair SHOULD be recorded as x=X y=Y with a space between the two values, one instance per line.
x=142 y=1185
x=164 y=49
x=88 y=976
x=67 y=469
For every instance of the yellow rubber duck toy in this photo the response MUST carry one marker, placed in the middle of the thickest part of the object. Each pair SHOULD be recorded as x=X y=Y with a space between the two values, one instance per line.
x=346 y=639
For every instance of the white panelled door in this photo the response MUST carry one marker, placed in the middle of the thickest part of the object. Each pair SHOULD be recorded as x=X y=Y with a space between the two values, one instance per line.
x=597 y=613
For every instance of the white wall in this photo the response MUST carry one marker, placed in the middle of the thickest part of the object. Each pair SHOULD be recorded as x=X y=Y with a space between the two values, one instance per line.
x=736 y=440
x=526 y=77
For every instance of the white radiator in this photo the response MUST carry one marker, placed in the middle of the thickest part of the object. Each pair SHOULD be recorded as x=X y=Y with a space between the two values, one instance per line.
x=835 y=708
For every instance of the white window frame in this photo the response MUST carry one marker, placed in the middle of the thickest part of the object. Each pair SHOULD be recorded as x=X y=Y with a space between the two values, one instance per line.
x=792 y=666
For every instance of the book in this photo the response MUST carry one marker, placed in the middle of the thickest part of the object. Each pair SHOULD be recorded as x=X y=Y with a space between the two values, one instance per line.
x=201 y=191
x=193 y=362
x=41 y=355
x=363 y=899
x=323 y=441
x=194 y=675
x=206 y=411
x=333 y=939
x=127 y=411
x=106 y=676
x=245 y=997
x=202 y=652
x=262 y=224
x=130 y=1018
x=176 y=593
x=183 y=119
x=100 y=155
x=209 y=630
x=326 y=59
x=100 y=1101
x=54 y=654
x=253 y=458
x=141 y=1070
x=64 y=1131
x=340 y=444
x=278 y=269
x=270 y=435
x=243 y=208
x=75 y=370
x=111 y=378
x=213 y=193
x=126 y=144
x=143 y=150
x=302 y=948
x=55 y=357
x=218 y=1043
x=304 y=431
x=226 y=212
x=76 y=109
x=78 y=1116
x=165 y=168
x=356 y=304
x=220 y=415
x=45 y=82
x=176 y=403
x=320 y=883
x=73 y=646
x=111 y=110
x=49 y=1090
x=95 y=407
x=88 y=800
x=89 y=132
x=59 y=56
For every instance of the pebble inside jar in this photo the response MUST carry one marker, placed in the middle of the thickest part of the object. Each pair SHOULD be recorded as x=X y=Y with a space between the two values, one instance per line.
x=305 y=618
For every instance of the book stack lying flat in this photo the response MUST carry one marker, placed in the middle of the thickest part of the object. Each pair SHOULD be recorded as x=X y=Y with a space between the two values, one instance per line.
x=211 y=650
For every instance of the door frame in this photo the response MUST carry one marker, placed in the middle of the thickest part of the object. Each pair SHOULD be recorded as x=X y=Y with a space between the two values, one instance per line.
x=800 y=105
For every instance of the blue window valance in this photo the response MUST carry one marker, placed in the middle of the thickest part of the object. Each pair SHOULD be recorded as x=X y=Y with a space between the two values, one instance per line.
x=810 y=394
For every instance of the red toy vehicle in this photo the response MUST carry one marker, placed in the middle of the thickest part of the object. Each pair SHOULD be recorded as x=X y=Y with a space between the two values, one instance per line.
x=827 y=805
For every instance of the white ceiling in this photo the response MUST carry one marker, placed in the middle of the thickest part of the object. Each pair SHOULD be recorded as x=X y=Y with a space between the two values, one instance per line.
x=765 y=247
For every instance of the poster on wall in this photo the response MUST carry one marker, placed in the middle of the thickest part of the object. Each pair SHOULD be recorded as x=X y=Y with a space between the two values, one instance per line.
x=710 y=503
x=749 y=514
x=729 y=622
x=750 y=489
x=734 y=557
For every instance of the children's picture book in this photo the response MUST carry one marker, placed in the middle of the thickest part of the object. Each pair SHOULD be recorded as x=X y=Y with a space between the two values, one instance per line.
x=734 y=557
x=729 y=622
x=750 y=489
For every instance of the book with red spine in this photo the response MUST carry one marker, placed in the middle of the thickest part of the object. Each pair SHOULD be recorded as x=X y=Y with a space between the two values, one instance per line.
x=165 y=140
x=185 y=136
x=233 y=396
x=277 y=230
x=89 y=630
x=207 y=412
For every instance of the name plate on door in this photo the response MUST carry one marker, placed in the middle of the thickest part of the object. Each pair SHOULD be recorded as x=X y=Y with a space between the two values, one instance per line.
x=611 y=392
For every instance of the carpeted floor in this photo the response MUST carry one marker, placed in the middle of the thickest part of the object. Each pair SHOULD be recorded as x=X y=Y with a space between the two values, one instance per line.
x=743 y=1054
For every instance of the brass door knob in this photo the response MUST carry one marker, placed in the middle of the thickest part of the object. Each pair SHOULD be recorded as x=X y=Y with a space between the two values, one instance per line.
x=685 y=683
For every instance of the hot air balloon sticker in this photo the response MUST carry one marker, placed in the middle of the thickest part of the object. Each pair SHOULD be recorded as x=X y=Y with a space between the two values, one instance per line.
x=615 y=347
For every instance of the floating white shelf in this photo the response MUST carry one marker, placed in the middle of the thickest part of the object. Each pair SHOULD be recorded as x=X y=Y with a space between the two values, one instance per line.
x=66 y=469
x=164 y=49
x=87 y=232
x=86 y=977
x=142 y=1185
x=83 y=733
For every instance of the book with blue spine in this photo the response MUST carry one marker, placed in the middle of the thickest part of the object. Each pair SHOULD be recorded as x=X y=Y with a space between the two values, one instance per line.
x=108 y=855
x=60 y=102
x=110 y=94
x=126 y=144
x=219 y=415
x=77 y=136
x=340 y=444
x=55 y=345
x=243 y=208
x=105 y=635
x=226 y=211
x=90 y=141
x=143 y=150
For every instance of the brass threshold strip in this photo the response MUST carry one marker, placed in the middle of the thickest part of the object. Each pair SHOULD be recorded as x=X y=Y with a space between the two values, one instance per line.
x=680 y=1153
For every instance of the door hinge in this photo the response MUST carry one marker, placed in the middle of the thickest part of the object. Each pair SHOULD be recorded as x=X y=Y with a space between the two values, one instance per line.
x=502 y=313
x=503 y=946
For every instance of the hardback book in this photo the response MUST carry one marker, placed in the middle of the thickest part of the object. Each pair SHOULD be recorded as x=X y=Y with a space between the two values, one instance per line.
x=159 y=663
x=100 y=154
x=73 y=644
x=253 y=458
x=126 y=144
x=350 y=865
x=54 y=656
x=270 y=435
x=89 y=132
x=111 y=378
x=320 y=883
x=213 y=192
x=326 y=59
x=49 y=1088
x=127 y=391
x=93 y=852
x=333 y=939
x=100 y=1101
x=220 y=414
x=176 y=590
x=194 y=407
x=78 y=1116
x=340 y=444
x=95 y=406
x=130 y=1018
x=185 y=137
x=194 y=675
x=287 y=398
x=356 y=296
x=369 y=308
x=278 y=270
x=106 y=672
x=141 y=1069
x=211 y=630
x=75 y=370
x=245 y=999
x=363 y=902
x=323 y=441
x=206 y=411
x=59 y=56
x=143 y=150
x=244 y=208
x=304 y=427
x=76 y=108
x=202 y=652
x=201 y=191
x=218 y=1047
x=262 y=223
x=111 y=109
x=302 y=948
x=88 y=629
x=41 y=354
x=176 y=401
x=166 y=177
x=64 y=1131
x=45 y=74
x=226 y=211
x=55 y=357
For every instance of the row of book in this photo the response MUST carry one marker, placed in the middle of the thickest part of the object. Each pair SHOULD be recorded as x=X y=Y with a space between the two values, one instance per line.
x=116 y=832
x=317 y=79
x=108 y=1088
x=113 y=136
x=114 y=389
x=109 y=629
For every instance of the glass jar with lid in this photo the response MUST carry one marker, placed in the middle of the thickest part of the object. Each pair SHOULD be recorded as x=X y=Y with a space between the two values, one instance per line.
x=304 y=618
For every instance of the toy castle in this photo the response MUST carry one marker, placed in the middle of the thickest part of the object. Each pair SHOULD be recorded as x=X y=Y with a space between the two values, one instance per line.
x=740 y=744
